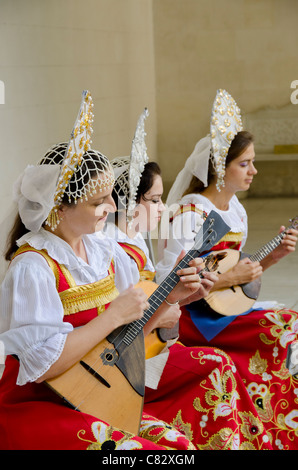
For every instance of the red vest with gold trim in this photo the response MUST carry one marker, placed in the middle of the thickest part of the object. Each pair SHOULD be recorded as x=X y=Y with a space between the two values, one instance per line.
x=80 y=303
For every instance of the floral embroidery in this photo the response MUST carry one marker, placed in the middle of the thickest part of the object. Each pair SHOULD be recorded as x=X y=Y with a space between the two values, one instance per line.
x=284 y=330
x=261 y=398
x=155 y=430
x=222 y=401
x=257 y=365
x=110 y=438
x=223 y=440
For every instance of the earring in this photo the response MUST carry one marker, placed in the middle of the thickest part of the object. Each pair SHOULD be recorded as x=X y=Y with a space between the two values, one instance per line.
x=53 y=219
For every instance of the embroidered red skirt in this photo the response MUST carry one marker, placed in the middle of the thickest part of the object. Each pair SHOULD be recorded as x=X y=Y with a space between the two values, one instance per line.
x=202 y=395
x=257 y=342
x=33 y=417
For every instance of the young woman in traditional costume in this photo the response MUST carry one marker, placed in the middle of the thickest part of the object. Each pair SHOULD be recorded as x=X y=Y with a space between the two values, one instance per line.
x=196 y=389
x=64 y=292
x=255 y=336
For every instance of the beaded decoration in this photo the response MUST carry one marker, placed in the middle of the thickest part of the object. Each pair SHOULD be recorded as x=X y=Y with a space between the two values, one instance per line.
x=82 y=181
x=225 y=124
x=128 y=171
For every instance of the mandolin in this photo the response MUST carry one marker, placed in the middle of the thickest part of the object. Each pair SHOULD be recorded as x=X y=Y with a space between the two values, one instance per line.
x=109 y=381
x=236 y=300
x=156 y=341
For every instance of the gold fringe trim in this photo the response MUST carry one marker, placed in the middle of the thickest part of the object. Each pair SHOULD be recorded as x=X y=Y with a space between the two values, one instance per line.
x=95 y=295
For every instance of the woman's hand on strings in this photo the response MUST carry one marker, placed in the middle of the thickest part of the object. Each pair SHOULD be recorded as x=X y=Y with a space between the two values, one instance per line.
x=244 y=271
x=166 y=316
x=287 y=245
x=128 y=306
x=190 y=280
x=207 y=283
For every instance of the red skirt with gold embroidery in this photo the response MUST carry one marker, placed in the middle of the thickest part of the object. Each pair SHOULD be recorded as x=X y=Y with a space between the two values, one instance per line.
x=202 y=395
x=257 y=342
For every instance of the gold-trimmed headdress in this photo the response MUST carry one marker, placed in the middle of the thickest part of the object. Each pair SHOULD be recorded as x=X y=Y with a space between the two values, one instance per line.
x=225 y=123
x=68 y=171
x=79 y=145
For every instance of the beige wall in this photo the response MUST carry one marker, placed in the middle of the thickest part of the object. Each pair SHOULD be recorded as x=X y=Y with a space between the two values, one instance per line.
x=50 y=50
x=248 y=47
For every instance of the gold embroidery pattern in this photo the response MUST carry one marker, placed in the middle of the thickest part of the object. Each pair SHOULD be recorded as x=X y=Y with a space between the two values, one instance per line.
x=274 y=391
x=109 y=438
x=221 y=401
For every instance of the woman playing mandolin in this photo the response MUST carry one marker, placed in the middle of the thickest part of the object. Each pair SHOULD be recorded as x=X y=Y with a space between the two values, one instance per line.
x=256 y=337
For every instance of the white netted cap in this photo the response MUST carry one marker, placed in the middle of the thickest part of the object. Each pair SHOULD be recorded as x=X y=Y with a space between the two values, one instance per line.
x=120 y=166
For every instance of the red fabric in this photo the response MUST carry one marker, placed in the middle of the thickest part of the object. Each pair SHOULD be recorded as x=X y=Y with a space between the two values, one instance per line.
x=202 y=394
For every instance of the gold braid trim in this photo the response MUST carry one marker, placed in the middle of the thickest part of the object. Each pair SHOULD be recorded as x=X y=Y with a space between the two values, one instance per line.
x=147 y=275
x=232 y=237
x=135 y=253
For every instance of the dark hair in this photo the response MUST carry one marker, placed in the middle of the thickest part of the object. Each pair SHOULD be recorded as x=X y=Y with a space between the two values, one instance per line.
x=92 y=160
x=151 y=170
x=239 y=144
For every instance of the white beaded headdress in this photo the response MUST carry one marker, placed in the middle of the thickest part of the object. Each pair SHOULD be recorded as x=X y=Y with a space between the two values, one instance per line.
x=67 y=169
x=225 y=123
x=128 y=170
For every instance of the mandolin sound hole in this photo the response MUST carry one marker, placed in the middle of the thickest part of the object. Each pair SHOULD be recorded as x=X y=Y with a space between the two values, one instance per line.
x=109 y=357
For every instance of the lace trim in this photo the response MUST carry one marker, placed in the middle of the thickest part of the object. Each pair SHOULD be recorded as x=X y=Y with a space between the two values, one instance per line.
x=54 y=358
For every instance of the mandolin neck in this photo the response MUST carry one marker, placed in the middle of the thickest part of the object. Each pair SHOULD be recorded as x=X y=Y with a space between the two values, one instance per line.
x=212 y=230
x=158 y=296
x=268 y=248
